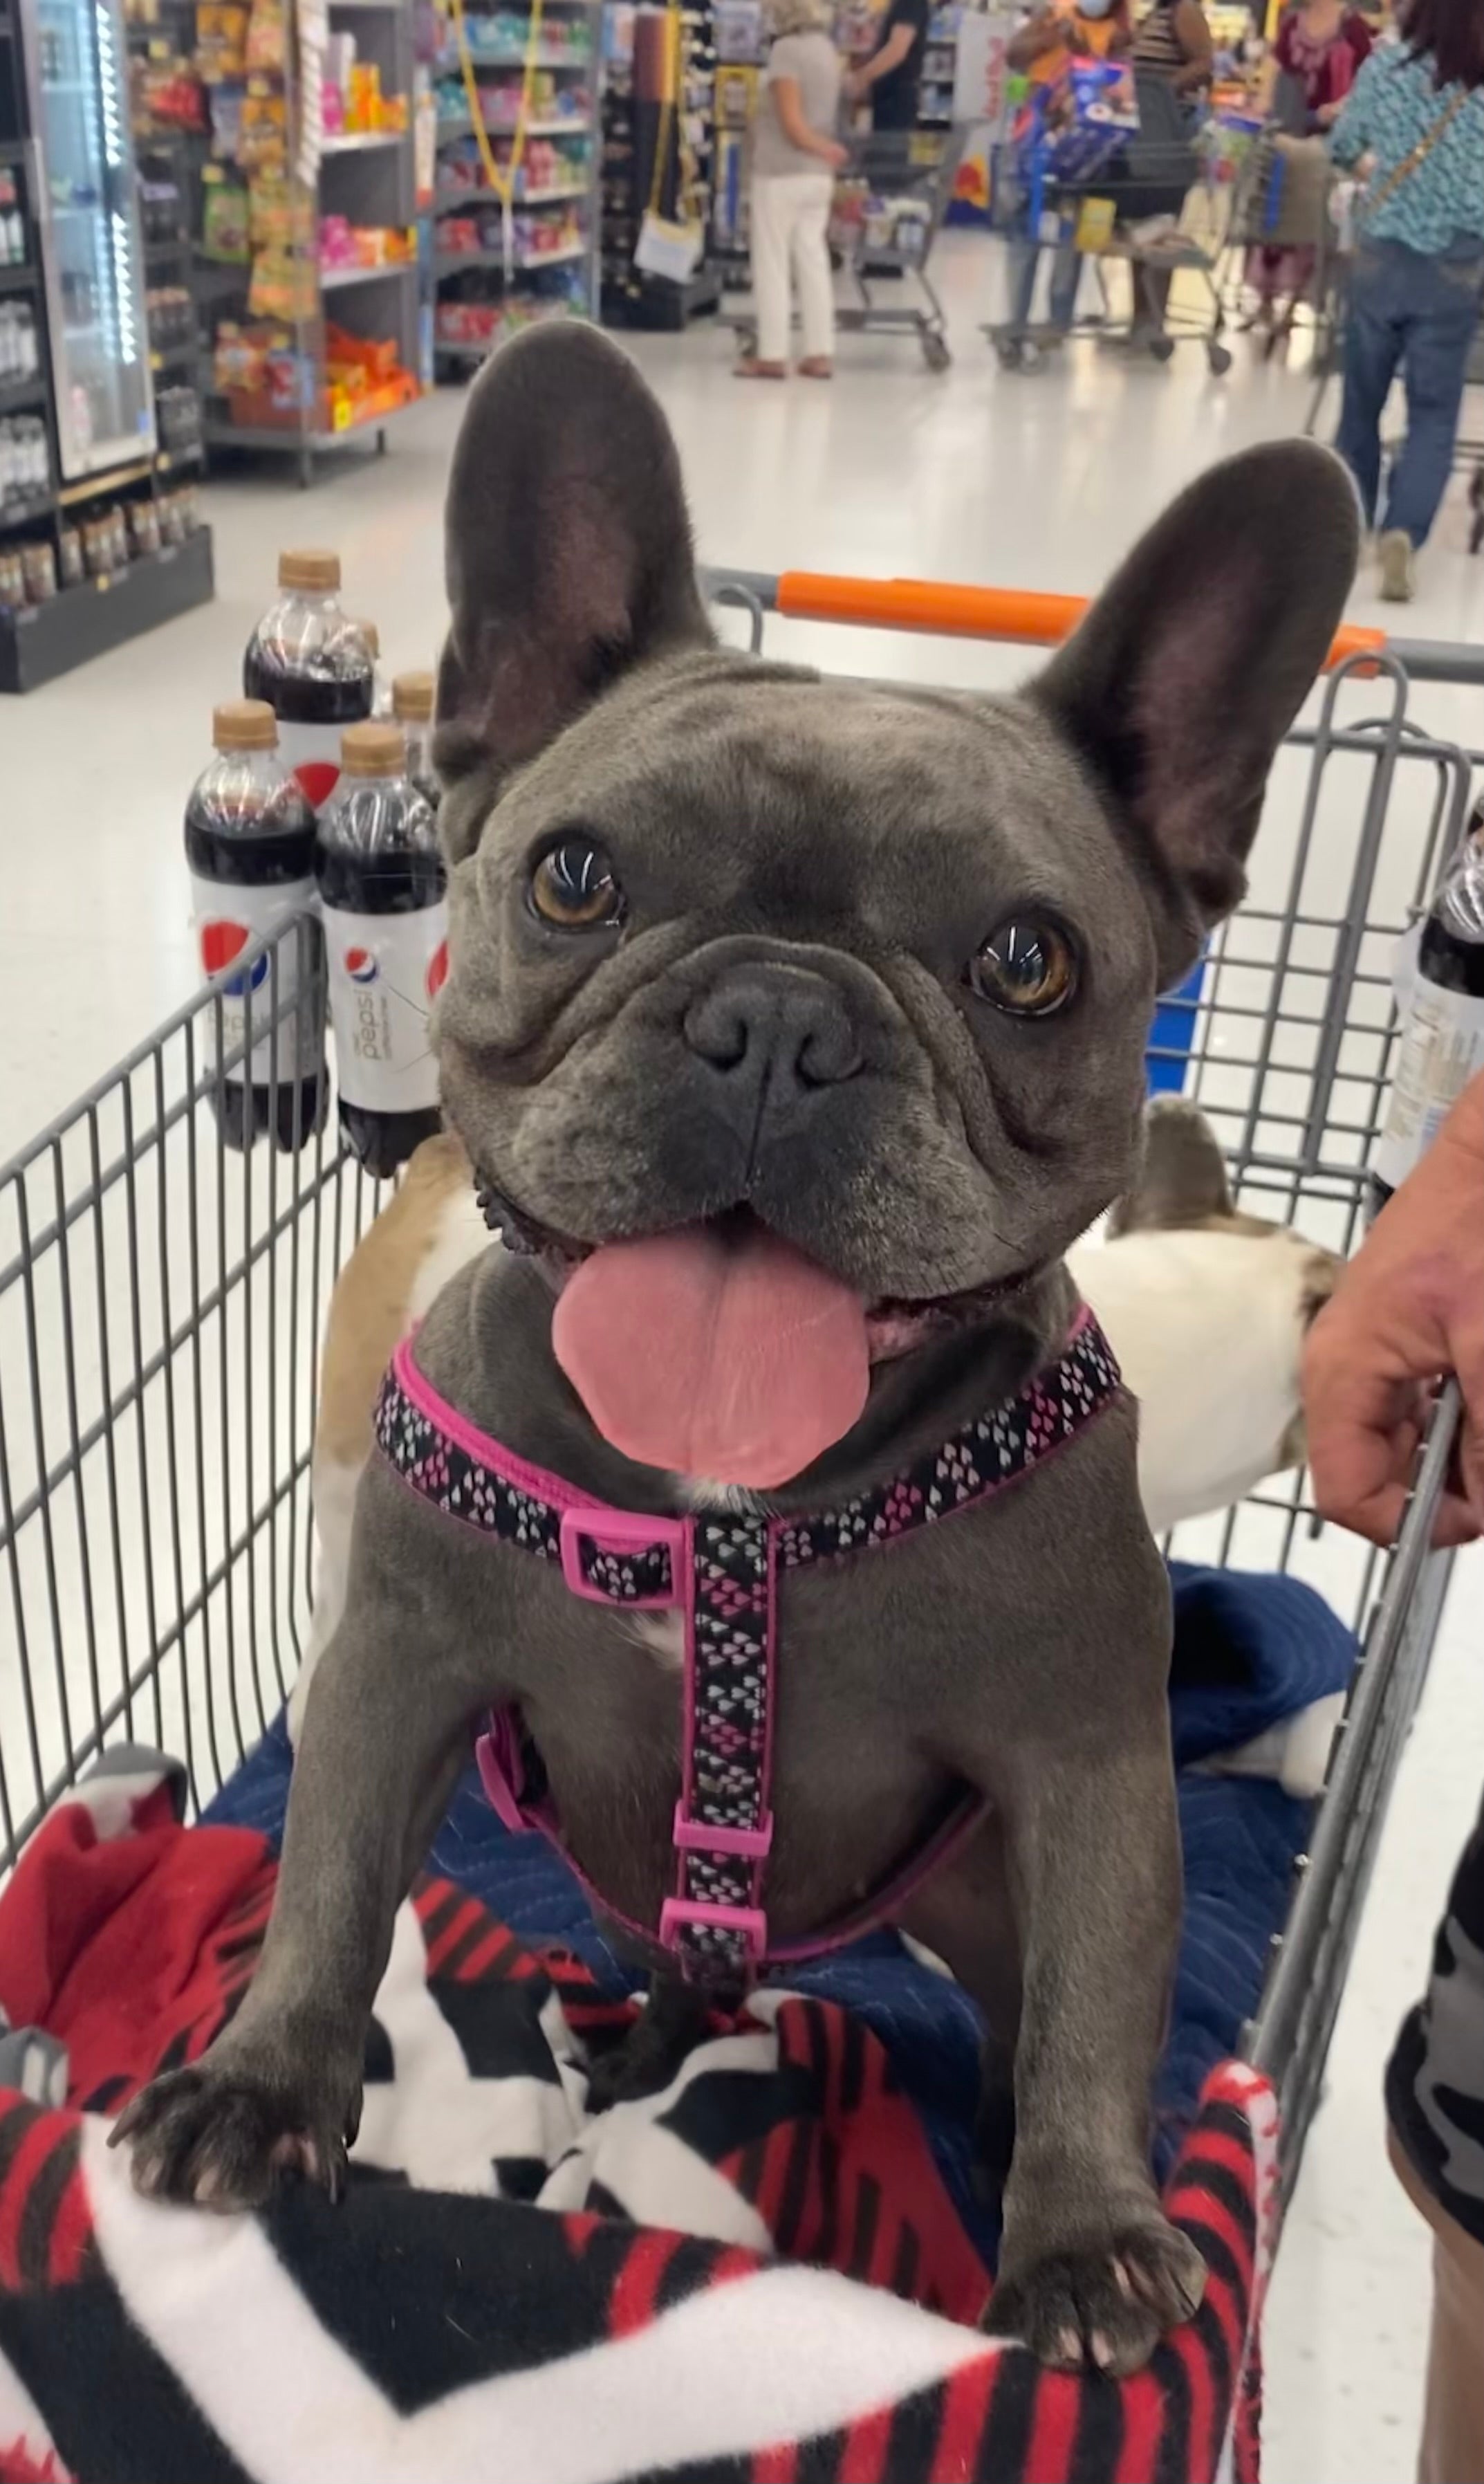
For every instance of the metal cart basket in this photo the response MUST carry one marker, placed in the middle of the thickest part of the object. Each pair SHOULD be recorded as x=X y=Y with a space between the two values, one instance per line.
x=162 y=1300
x=888 y=210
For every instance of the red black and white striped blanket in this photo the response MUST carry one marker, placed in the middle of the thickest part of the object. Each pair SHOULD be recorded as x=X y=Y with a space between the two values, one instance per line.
x=756 y=2277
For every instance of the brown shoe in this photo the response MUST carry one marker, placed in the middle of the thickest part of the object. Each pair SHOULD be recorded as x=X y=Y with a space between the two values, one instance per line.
x=750 y=369
x=815 y=366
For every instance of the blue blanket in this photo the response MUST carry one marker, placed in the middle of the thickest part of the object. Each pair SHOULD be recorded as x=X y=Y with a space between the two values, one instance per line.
x=1249 y=1650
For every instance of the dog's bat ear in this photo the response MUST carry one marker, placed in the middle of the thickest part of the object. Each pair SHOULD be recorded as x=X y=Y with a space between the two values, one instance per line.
x=1182 y=1174
x=1181 y=681
x=567 y=545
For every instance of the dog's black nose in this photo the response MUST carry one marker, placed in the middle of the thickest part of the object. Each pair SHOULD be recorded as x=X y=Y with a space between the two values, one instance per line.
x=779 y=1026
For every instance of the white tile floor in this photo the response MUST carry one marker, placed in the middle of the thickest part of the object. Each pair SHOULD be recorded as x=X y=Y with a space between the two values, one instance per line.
x=975 y=475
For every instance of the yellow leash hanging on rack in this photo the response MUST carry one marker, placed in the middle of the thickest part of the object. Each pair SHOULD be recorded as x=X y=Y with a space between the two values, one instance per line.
x=501 y=178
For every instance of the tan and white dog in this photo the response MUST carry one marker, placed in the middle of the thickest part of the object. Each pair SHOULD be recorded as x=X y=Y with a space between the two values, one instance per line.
x=1205 y=1307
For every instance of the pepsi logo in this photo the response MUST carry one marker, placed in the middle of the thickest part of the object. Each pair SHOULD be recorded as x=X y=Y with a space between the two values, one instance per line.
x=219 y=944
x=318 y=779
x=438 y=970
x=360 y=967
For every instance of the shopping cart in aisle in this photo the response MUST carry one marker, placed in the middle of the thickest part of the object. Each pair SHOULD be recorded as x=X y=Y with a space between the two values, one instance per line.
x=1140 y=196
x=888 y=210
x=162 y=1301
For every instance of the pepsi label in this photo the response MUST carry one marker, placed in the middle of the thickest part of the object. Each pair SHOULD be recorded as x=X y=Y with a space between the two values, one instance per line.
x=1442 y=1049
x=312 y=752
x=228 y=920
x=386 y=971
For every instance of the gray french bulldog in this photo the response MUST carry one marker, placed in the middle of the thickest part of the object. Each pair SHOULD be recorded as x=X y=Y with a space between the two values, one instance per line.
x=831 y=974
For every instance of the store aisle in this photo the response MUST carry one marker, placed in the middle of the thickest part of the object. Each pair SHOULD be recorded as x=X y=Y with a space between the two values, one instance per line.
x=976 y=475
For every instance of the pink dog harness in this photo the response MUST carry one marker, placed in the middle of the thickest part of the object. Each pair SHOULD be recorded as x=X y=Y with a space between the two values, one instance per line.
x=720 y=1571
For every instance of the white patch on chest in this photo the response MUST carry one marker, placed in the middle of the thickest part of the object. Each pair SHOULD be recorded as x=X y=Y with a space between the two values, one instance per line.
x=661 y=1636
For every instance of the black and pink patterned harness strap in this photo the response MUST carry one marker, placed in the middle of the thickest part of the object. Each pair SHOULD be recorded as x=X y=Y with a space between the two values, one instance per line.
x=721 y=1573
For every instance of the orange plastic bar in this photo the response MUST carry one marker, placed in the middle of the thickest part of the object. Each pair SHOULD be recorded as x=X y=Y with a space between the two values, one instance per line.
x=1011 y=613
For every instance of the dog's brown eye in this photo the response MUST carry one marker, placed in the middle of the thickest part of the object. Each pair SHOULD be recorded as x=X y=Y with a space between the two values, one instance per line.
x=1027 y=968
x=573 y=887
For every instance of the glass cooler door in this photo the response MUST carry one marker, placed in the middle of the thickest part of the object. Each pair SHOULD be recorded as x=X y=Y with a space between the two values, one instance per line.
x=77 y=74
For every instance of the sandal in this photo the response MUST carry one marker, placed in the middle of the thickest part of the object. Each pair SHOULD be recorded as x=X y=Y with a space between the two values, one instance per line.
x=750 y=369
x=815 y=366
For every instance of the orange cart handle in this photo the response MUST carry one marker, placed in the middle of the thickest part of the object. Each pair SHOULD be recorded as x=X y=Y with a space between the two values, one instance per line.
x=1011 y=613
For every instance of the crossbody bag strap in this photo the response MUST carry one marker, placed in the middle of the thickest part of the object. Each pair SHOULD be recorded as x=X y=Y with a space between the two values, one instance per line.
x=1412 y=163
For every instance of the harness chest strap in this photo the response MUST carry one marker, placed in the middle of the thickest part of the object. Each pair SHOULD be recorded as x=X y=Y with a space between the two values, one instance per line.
x=720 y=1572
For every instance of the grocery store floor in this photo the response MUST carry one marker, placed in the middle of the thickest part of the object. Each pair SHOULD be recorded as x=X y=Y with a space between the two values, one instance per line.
x=976 y=475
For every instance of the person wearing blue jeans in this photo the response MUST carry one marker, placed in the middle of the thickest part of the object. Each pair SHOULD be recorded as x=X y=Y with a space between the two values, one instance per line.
x=1066 y=269
x=1416 y=114
x=1416 y=316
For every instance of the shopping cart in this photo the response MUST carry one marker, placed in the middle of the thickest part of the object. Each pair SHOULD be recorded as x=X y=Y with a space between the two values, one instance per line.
x=1282 y=207
x=1147 y=202
x=888 y=210
x=162 y=1300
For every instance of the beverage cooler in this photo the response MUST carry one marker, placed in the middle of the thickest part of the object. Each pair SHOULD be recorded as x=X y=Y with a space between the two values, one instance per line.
x=102 y=532
x=92 y=257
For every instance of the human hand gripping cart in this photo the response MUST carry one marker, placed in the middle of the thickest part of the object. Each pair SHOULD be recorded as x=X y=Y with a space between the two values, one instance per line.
x=497 y=2289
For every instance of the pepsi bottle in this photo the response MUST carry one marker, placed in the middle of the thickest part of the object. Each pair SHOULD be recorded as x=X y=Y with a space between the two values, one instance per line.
x=1441 y=1041
x=382 y=905
x=412 y=704
x=314 y=667
x=250 y=847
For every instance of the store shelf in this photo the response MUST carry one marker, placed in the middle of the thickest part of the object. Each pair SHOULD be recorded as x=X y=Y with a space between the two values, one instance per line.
x=459 y=125
x=449 y=64
x=46 y=639
x=335 y=280
x=180 y=461
x=446 y=203
x=360 y=142
x=16 y=280
x=161 y=254
x=22 y=508
x=290 y=441
x=177 y=358
x=451 y=262
x=20 y=397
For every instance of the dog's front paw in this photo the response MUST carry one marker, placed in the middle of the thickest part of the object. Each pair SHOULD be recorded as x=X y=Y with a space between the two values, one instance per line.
x=1107 y=2305
x=221 y=2137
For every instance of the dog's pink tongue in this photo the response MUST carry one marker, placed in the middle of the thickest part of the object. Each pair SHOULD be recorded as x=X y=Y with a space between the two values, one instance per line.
x=737 y=1360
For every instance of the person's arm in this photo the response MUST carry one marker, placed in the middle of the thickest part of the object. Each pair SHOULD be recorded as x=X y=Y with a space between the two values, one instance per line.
x=1409 y=1307
x=1351 y=135
x=893 y=52
x=1040 y=34
x=1194 y=37
x=789 y=104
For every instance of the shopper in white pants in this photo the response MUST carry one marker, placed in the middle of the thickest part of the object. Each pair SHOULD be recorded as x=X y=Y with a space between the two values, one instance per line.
x=795 y=157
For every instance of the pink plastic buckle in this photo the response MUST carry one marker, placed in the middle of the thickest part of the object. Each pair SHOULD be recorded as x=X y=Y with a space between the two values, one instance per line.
x=623 y=1531
x=750 y=1921
x=694 y=1835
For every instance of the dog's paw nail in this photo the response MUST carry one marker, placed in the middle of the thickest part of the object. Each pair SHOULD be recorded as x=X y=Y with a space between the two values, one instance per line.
x=1068 y=2347
x=1103 y=2351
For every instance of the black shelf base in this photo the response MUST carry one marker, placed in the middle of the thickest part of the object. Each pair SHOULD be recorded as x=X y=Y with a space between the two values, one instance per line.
x=49 y=639
x=660 y=307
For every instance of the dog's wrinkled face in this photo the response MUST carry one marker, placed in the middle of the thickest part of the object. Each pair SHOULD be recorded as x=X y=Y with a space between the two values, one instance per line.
x=872 y=966
x=867 y=963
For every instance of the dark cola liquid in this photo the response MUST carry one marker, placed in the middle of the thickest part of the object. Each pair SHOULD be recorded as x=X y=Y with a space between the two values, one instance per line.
x=408 y=880
x=323 y=685
x=273 y=847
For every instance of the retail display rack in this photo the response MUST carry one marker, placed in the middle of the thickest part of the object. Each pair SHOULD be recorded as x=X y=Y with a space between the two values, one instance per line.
x=659 y=154
x=281 y=140
x=516 y=206
x=100 y=533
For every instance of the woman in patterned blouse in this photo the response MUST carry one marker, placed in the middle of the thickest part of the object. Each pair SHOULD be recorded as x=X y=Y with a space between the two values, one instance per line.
x=1416 y=118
